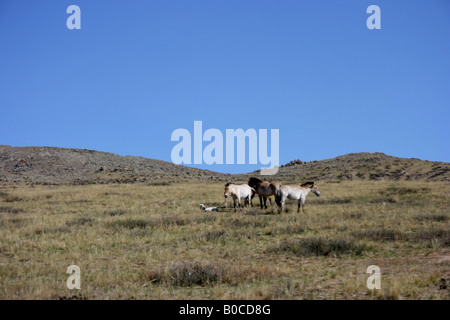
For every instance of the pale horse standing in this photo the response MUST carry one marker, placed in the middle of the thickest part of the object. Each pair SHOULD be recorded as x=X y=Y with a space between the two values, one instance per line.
x=295 y=192
x=238 y=192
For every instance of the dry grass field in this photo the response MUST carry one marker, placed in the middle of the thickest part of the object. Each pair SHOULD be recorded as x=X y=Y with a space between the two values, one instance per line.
x=142 y=241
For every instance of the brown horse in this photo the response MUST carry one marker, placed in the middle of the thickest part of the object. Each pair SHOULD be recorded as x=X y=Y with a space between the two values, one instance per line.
x=264 y=189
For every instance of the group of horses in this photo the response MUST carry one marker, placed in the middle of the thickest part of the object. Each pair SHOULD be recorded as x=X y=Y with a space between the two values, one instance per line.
x=266 y=189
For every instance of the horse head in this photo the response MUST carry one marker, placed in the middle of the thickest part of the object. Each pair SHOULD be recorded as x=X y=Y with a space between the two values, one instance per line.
x=312 y=186
x=227 y=190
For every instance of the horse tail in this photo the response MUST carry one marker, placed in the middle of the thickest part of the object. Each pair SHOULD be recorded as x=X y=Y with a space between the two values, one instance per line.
x=253 y=192
x=278 y=200
x=278 y=194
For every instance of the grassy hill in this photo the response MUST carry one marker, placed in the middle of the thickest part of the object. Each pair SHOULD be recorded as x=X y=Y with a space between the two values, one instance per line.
x=364 y=166
x=50 y=165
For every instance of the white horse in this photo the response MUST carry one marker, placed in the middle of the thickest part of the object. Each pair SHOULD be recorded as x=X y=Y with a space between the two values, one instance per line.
x=238 y=192
x=296 y=193
x=209 y=209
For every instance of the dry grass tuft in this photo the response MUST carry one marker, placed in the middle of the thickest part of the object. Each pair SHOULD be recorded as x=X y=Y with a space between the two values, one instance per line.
x=432 y=217
x=129 y=224
x=213 y=235
x=353 y=215
x=402 y=191
x=440 y=235
x=318 y=246
x=331 y=201
x=188 y=273
x=290 y=230
x=380 y=235
x=12 y=198
x=115 y=212
x=193 y=273
x=80 y=222
x=10 y=210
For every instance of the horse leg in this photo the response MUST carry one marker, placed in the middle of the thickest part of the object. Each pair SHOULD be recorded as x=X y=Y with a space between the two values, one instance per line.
x=265 y=202
x=270 y=200
x=260 y=201
x=299 y=205
x=282 y=202
x=239 y=203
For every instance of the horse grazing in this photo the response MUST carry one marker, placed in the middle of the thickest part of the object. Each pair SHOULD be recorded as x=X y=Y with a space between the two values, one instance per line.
x=264 y=189
x=295 y=192
x=238 y=192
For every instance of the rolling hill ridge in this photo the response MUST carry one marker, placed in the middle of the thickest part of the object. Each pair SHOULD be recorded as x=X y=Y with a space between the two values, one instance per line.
x=51 y=165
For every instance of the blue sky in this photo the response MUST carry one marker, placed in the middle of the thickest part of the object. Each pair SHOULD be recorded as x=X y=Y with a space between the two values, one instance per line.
x=138 y=70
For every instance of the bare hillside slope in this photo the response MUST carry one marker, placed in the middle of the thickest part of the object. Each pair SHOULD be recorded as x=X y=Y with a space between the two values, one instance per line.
x=61 y=165
x=50 y=165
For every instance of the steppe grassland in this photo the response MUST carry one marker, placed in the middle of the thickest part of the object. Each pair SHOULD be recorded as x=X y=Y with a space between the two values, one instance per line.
x=136 y=241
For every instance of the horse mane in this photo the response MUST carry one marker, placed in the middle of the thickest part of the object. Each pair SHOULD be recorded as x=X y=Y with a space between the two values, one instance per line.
x=227 y=184
x=254 y=182
x=307 y=184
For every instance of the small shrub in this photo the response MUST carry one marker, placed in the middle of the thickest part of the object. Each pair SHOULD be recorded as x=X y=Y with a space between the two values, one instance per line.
x=17 y=222
x=204 y=219
x=290 y=230
x=213 y=235
x=432 y=217
x=331 y=201
x=80 y=222
x=441 y=235
x=158 y=184
x=52 y=230
x=10 y=210
x=353 y=215
x=115 y=212
x=171 y=220
x=130 y=224
x=380 y=235
x=402 y=191
x=383 y=200
x=248 y=222
x=321 y=247
x=12 y=198
x=187 y=273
